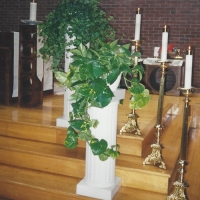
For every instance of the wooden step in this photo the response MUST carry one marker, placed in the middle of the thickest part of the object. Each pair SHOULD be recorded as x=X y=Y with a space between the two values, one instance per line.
x=19 y=184
x=129 y=143
x=49 y=157
x=31 y=184
x=135 y=145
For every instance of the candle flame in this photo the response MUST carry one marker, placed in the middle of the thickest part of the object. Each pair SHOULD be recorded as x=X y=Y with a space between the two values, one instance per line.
x=165 y=28
x=138 y=11
x=189 y=51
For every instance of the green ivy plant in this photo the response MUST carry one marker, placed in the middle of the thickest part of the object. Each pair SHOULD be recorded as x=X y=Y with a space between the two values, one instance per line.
x=139 y=94
x=89 y=77
x=83 y=19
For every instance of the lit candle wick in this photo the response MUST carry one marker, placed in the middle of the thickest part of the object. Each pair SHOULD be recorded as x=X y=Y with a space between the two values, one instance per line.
x=165 y=29
x=189 y=52
x=138 y=11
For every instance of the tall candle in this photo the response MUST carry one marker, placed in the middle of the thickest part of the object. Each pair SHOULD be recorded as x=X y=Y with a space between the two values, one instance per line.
x=33 y=10
x=137 y=24
x=164 y=44
x=188 y=69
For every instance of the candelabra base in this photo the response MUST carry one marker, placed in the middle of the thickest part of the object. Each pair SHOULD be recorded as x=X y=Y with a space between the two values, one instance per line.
x=155 y=157
x=179 y=191
x=131 y=126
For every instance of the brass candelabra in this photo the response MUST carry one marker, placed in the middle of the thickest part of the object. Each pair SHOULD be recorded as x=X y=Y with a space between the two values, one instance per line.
x=132 y=125
x=180 y=185
x=156 y=156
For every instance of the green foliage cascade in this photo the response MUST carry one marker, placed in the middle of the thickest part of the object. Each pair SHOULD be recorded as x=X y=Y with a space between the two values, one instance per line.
x=89 y=77
x=83 y=19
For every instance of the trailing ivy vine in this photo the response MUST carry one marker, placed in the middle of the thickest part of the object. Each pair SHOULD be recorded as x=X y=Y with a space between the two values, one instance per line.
x=89 y=77
x=83 y=19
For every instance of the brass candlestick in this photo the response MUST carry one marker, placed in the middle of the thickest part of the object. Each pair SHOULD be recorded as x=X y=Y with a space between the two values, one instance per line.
x=180 y=185
x=156 y=156
x=137 y=44
x=132 y=125
x=178 y=54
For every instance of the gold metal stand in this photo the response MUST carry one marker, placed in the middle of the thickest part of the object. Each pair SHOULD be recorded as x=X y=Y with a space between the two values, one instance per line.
x=132 y=126
x=180 y=185
x=178 y=56
x=156 y=156
x=137 y=44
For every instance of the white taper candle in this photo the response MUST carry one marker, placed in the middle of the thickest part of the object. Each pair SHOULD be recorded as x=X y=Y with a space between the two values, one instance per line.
x=137 y=25
x=164 y=44
x=33 y=11
x=188 y=69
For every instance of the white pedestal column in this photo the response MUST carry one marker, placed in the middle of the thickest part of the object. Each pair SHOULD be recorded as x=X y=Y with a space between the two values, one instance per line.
x=100 y=181
x=63 y=120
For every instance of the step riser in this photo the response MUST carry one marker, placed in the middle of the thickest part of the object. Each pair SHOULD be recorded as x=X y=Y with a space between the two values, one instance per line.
x=43 y=163
x=17 y=191
x=54 y=135
x=57 y=136
x=76 y=168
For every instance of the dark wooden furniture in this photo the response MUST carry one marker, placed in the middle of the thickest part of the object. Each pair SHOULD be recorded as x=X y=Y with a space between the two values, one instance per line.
x=173 y=79
x=30 y=86
x=6 y=68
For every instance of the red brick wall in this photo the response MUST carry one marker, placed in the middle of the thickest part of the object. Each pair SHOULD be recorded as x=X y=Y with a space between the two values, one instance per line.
x=182 y=16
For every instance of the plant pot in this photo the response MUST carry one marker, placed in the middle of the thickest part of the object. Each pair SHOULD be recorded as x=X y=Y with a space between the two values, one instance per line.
x=115 y=85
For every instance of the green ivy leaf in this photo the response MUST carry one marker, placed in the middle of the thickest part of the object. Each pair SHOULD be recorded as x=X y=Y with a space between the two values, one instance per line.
x=98 y=85
x=136 y=88
x=78 y=125
x=112 y=153
x=103 y=157
x=84 y=90
x=125 y=68
x=138 y=101
x=71 y=140
x=126 y=46
x=94 y=123
x=76 y=52
x=98 y=147
x=136 y=54
x=96 y=69
x=113 y=44
x=103 y=99
x=83 y=50
x=85 y=135
x=61 y=76
x=112 y=77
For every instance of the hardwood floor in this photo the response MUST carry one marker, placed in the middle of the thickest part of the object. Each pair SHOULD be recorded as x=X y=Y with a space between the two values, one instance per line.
x=28 y=134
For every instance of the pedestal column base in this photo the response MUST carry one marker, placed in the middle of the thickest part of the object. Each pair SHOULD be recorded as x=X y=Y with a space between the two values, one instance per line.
x=106 y=193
